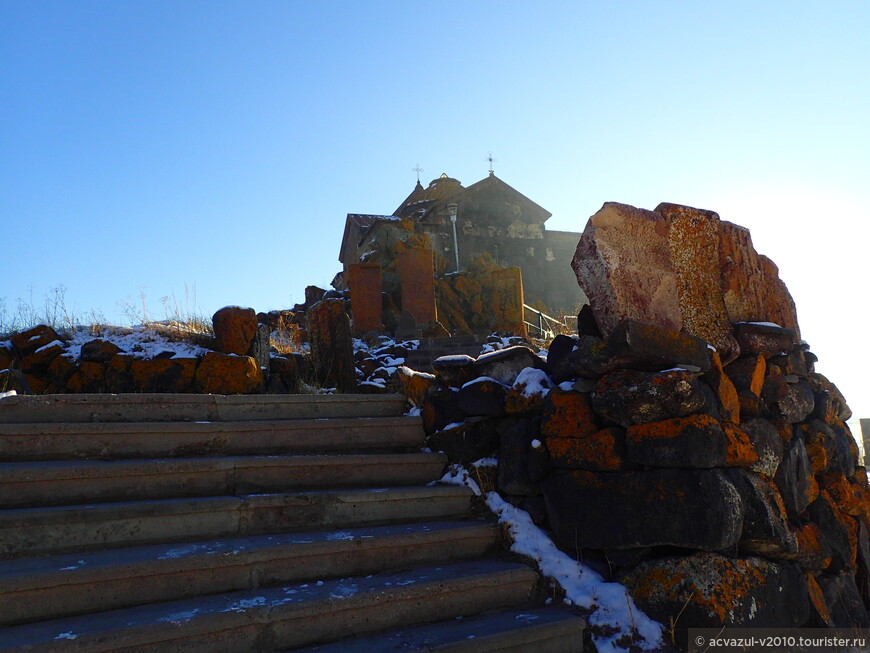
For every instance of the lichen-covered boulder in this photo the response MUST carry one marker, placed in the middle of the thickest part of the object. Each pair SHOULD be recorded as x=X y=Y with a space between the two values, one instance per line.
x=708 y=590
x=38 y=360
x=119 y=378
x=99 y=350
x=30 y=340
x=767 y=443
x=164 y=374
x=415 y=385
x=234 y=329
x=223 y=374
x=601 y=451
x=696 y=442
x=568 y=414
x=529 y=391
x=693 y=509
x=628 y=397
x=89 y=377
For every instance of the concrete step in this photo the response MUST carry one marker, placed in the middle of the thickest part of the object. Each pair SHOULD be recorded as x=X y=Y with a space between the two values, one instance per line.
x=19 y=409
x=39 y=483
x=287 y=616
x=45 y=531
x=542 y=630
x=33 y=589
x=108 y=440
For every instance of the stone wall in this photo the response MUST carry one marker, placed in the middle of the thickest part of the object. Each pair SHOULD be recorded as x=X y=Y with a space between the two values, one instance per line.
x=718 y=482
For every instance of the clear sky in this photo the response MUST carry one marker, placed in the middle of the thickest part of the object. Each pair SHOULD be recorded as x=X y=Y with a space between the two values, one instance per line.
x=209 y=151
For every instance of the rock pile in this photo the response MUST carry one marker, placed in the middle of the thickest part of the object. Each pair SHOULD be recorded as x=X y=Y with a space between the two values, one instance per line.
x=697 y=458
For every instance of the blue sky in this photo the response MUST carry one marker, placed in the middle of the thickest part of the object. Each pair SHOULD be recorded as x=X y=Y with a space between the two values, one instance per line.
x=210 y=150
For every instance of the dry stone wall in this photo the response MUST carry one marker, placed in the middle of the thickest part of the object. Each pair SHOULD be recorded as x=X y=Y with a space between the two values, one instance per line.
x=685 y=446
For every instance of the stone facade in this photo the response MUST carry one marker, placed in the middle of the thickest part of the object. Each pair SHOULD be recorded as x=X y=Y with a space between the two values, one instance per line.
x=492 y=219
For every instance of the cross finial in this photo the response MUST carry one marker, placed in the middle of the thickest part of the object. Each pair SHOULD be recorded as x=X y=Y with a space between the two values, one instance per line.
x=491 y=160
x=418 y=170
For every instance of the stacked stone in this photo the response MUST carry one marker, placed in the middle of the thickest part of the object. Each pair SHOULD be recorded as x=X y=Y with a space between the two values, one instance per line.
x=690 y=450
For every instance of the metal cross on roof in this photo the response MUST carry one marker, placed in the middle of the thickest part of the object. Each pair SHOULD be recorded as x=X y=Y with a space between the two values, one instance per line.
x=418 y=170
x=491 y=160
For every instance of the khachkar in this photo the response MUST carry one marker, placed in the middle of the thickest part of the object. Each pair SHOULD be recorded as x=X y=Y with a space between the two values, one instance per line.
x=763 y=482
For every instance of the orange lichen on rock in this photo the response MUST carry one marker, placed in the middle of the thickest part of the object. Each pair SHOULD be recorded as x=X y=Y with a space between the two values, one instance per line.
x=723 y=388
x=693 y=238
x=601 y=451
x=567 y=414
x=717 y=585
x=415 y=384
x=228 y=375
x=811 y=553
x=817 y=599
x=164 y=374
x=845 y=495
x=89 y=377
x=670 y=428
x=740 y=451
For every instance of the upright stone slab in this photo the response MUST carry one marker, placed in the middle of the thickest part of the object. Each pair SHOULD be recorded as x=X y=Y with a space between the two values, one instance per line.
x=331 y=344
x=623 y=264
x=417 y=280
x=366 y=303
x=694 y=243
x=508 y=288
x=234 y=329
x=750 y=283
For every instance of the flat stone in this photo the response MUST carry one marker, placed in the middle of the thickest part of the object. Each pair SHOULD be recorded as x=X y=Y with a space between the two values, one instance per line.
x=764 y=338
x=767 y=443
x=222 y=374
x=455 y=370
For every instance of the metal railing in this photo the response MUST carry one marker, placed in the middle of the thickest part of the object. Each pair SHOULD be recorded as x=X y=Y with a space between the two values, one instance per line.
x=545 y=326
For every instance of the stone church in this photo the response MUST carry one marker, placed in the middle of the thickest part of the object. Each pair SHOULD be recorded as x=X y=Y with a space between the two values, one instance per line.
x=488 y=217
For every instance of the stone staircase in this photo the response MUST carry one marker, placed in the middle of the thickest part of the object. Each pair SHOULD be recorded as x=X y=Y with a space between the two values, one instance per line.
x=249 y=523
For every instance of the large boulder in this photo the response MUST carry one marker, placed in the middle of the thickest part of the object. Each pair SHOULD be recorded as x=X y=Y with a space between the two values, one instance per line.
x=680 y=268
x=32 y=339
x=696 y=442
x=602 y=451
x=567 y=414
x=686 y=508
x=234 y=329
x=99 y=350
x=163 y=374
x=693 y=238
x=708 y=590
x=628 y=397
x=623 y=264
x=223 y=374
